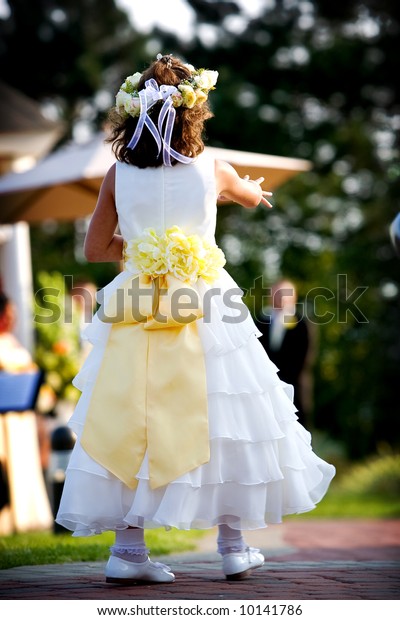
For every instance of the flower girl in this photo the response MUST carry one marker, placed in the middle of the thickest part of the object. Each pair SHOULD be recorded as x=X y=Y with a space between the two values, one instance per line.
x=183 y=421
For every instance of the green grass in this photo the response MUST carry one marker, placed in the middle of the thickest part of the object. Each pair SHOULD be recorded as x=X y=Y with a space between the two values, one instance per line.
x=370 y=489
x=338 y=504
x=49 y=548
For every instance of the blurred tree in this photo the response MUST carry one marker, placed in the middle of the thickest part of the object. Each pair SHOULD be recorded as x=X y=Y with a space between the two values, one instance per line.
x=69 y=54
x=310 y=79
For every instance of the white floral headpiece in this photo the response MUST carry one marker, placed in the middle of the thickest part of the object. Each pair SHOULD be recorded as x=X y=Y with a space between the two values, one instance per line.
x=136 y=103
x=189 y=92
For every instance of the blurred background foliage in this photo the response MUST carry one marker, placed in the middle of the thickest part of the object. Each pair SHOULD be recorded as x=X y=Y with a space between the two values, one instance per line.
x=58 y=347
x=304 y=78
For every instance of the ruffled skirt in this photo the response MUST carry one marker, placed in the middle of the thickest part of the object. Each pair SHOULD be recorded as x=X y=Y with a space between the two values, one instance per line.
x=261 y=465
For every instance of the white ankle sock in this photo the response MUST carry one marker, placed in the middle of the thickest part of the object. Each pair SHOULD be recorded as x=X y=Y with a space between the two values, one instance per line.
x=129 y=545
x=229 y=540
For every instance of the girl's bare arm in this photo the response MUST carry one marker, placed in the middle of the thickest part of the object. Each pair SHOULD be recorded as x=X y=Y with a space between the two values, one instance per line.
x=102 y=244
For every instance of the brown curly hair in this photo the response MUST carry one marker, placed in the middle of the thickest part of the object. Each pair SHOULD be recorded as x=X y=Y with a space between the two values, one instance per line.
x=187 y=136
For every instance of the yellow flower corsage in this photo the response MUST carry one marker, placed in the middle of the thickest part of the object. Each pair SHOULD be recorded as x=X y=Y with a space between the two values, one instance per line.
x=187 y=257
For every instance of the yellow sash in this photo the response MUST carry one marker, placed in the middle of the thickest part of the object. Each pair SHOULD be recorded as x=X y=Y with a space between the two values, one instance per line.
x=150 y=393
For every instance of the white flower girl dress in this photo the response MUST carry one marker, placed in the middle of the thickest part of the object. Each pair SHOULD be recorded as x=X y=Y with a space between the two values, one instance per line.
x=258 y=464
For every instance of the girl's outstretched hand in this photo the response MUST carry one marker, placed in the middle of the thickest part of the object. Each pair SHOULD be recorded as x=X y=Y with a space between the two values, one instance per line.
x=242 y=190
x=263 y=200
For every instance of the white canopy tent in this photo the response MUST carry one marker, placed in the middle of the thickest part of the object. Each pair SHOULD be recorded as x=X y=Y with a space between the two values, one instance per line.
x=25 y=133
x=64 y=186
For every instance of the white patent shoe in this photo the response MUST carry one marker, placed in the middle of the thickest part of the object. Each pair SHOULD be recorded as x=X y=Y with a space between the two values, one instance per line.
x=129 y=573
x=240 y=565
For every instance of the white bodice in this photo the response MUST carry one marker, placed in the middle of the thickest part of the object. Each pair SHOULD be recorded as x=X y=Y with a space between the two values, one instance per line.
x=183 y=195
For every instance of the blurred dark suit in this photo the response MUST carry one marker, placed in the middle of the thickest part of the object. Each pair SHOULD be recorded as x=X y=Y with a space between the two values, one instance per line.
x=287 y=347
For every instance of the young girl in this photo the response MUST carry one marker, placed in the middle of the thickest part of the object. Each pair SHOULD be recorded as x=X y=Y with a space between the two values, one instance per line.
x=183 y=421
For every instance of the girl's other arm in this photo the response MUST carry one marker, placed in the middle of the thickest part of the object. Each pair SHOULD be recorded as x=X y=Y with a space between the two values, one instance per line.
x=101 y=242
x=245 y=192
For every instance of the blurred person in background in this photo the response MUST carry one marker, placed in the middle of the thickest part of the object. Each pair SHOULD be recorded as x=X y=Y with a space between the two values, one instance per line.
x=286 y=339
x=13 y=356
x=24 y=442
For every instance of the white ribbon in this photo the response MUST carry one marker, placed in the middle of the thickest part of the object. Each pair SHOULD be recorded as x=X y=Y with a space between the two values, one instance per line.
x=148 y=97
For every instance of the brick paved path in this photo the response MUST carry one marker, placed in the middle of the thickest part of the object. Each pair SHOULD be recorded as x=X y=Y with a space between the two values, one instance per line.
x=316 y=560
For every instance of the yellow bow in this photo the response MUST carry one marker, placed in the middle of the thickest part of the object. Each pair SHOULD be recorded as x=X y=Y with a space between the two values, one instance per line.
x=150 y=393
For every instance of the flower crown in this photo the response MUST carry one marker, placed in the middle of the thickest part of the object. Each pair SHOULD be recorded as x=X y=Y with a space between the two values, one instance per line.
x=189 y=92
